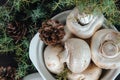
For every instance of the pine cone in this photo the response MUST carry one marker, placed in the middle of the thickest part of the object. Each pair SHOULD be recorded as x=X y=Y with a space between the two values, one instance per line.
x=51 y=32
x=7 y=73
x=16 y=30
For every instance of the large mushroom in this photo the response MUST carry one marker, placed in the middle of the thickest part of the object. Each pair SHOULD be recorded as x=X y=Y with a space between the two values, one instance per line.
x=78 y=55
x=52 y=59
x=91 y=73
x=83 y=25
x=105 y=48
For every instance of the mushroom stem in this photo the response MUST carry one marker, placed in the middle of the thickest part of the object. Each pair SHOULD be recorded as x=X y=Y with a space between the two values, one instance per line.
x=84 y=19
x=85 y=25
x=109 y=49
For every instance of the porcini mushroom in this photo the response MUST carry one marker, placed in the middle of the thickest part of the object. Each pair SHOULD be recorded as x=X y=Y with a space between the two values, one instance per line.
x=105 y=48
x=83 y=25
x=91 y=73
x=52 y=59
x=79 y=55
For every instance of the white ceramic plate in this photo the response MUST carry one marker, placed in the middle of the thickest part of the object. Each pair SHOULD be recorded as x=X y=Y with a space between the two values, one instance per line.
x=36 y=54
x=33 y=76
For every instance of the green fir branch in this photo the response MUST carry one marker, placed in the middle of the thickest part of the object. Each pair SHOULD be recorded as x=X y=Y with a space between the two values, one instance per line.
x=62 y=4
x=38 y=13
x=107 y=7
x=63 y=74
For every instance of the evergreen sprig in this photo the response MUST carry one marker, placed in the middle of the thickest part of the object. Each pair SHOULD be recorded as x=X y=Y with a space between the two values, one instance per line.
x=6 y=43
x=22 y=4
x=38 y=13
x=63 y=74
x=5 y=14
x=22 y=57
x=107 y=7
x=61 y=4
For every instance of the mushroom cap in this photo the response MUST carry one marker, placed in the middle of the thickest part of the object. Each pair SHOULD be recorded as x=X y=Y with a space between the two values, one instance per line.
x=67 y=35
x=52 y=59
x=91 y=73
x=79 y=55
x=105 y=49
x=75 y=22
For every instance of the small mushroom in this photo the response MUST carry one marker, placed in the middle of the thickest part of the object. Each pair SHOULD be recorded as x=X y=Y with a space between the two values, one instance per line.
x=78 y=55
x=52 y=59
x=84 y=25
x=105 y=48
x=91 y=73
